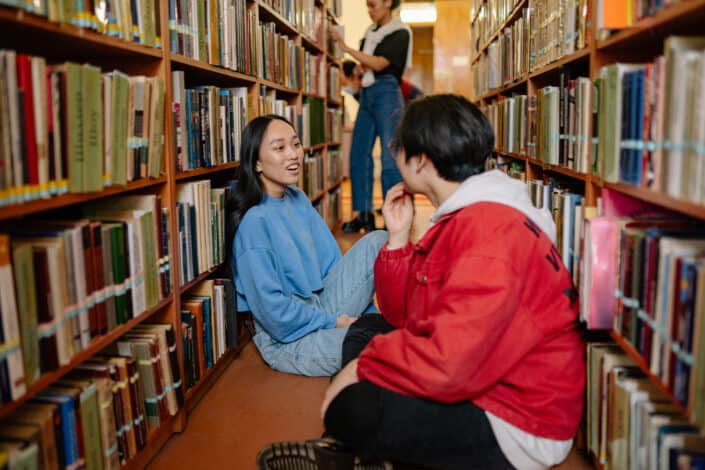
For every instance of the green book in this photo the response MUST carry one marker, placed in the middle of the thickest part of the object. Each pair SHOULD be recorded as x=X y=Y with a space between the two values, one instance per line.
x=149 y=256
x=23 y=261
x=120 y=98
x=117 y=248
x=90 y=422
x=156 y=128
x=202 y=40
x=92 y=128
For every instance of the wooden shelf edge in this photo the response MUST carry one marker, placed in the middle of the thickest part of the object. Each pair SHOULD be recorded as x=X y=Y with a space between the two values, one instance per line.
x=204 y=275
x=645 y=25
x=198 y=391
x=333 y=102
x=277 y=86
x=331 y=58
x=25 y=18
x=510 y=18
x=206 y=67
x=40 y=205
x=313 y=95
x=575 y=56
x=317 y=197
x=309 y=42
x=333 y=144
x=313 y=148
x=182 y=175
x=641 y=363
x=335 y=185
x=94 y=347
x=660 y=199
x=155 y=441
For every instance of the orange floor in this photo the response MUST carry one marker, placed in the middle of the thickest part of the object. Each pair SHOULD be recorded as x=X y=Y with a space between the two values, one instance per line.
x=250 y=405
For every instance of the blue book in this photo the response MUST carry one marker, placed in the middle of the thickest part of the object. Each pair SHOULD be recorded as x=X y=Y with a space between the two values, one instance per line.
x=68 y=424
x=638 y=124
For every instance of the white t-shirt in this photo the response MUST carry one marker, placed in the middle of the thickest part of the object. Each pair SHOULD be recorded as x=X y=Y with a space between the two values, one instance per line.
x=526 y=451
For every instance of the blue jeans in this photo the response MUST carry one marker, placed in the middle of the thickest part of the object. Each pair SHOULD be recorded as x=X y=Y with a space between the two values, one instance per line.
x=348 y=289
x=381 y=105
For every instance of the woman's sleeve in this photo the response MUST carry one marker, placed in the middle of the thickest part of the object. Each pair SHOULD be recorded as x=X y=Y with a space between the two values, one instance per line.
x=285 y=318
x=394 y=47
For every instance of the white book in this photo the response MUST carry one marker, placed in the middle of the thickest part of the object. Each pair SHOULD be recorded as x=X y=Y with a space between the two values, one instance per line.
x=10 y=325
x=41 y=133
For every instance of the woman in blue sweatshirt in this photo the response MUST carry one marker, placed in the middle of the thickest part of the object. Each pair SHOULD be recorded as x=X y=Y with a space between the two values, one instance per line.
x=287 y=267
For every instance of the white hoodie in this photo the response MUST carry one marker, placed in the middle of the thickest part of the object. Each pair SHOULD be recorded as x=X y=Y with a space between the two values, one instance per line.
x=496 y=186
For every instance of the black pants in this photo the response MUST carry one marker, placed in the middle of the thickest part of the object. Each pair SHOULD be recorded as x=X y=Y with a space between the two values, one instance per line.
x=381 y=424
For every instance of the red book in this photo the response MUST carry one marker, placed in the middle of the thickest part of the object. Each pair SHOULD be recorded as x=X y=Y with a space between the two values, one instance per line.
x=24 y=86
x=101 y=312
x=90 y=278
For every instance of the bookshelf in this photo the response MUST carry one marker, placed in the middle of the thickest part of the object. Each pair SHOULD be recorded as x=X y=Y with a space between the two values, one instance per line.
x=305 y=36
x=509 y=112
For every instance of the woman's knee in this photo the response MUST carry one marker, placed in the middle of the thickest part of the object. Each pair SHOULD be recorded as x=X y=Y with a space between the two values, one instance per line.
x=376 y=239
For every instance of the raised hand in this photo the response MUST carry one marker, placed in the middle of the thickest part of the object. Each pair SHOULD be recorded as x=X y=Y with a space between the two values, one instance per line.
x=398 y=215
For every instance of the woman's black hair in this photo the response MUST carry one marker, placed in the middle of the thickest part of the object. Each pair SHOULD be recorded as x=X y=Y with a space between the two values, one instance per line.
x=449 y=130
x=395 y=4
x=248 y=191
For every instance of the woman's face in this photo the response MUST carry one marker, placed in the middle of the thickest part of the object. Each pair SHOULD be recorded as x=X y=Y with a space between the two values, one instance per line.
x=280 y=158
x=378 y=9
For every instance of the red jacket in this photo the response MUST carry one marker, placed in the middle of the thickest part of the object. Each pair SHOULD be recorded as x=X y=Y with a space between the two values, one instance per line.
x=485 y=312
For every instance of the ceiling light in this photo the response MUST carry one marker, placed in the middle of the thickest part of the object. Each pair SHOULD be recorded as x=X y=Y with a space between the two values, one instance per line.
x=414 y=13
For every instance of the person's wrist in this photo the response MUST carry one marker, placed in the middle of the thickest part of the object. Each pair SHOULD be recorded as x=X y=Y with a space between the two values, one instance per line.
x=397 y=240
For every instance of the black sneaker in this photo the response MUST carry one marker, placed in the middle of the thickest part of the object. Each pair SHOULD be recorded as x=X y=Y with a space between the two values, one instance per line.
x=364 y=221
x=318 y=454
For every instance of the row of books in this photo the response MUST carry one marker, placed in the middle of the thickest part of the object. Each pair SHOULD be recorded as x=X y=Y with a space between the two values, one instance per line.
x=630 y=423
x=93 y=274
x=651 y=127
x=314 y=74
x=614 y=16
x=209 y=326
x=200 y=214
x=334 y=166
x=70 y=128
x=334 y=124
x=208 y=123
x=558 y=28
x=552 y=127
x=304 y=15
x=332 y=46
x=335 y=7
x=507 y=56
x=281 y=61
x=333 y=83
x=98 y=416
x=132 y=20
x=488 y=16
x=312 y=178
x=220 y=32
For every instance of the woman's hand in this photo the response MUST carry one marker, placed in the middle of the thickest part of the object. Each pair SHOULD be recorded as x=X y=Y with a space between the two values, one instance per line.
x=344 y=321
x=398 y=215
x=347 y=376
x=335 y=34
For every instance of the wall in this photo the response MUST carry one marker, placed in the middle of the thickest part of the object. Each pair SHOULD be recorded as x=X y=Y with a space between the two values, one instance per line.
x=451 y=52
x=421 y=71
x=356 y=21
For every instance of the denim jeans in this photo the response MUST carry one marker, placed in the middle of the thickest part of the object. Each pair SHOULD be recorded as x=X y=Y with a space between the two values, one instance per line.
x=347 y=290
x=381 y=105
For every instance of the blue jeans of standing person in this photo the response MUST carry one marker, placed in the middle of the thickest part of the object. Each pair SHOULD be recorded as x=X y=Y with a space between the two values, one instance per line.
x=347 y=290
x=381 y=105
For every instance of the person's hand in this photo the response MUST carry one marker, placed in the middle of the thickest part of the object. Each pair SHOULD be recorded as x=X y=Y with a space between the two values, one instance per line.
x=344 y=321
x=398 y=214
x=347 y=376
x=335 y=34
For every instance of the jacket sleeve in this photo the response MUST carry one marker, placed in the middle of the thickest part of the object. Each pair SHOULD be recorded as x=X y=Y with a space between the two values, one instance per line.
x=284 y=317
x=392 y=269
x=456 y=355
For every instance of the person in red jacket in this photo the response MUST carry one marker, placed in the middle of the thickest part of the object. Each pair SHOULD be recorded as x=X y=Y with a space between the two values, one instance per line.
x=479 y=361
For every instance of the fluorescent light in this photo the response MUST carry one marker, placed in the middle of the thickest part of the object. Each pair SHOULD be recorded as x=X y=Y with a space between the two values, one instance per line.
x=418 y=13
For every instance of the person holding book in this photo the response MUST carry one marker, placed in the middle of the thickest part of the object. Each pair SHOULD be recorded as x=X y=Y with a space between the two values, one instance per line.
x=384 y=53
x=287 y=267
x=479 y=362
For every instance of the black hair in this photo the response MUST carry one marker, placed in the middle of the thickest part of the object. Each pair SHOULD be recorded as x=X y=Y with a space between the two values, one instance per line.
x=348 y=67
x=395 y=4
x=248 y=191
x=449 y=130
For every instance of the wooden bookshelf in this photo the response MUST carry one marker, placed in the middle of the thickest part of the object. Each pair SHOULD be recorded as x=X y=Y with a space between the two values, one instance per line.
x=640 y=43
x=69 y=199
x=32 y=34
x=313 y=148
x=509 y=20
x=97 y=345
x=198 y=279
x=200 y=172
x=641 y=363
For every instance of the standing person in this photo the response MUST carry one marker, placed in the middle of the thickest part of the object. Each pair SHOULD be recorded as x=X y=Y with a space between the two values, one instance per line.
x=287 y=267
x=480 y=364
x=384 y=53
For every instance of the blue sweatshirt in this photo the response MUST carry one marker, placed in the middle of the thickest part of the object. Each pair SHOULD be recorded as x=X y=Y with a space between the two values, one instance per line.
x=282 y=248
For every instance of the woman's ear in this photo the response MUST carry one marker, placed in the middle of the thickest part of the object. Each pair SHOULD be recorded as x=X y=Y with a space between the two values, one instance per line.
x=423 y=162
x=258 y=167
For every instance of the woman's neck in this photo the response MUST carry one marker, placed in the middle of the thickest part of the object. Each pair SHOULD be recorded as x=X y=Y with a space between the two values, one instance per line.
x=385 y=20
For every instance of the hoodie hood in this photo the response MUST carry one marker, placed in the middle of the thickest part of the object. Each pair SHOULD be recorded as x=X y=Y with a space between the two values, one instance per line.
x=496 y=186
